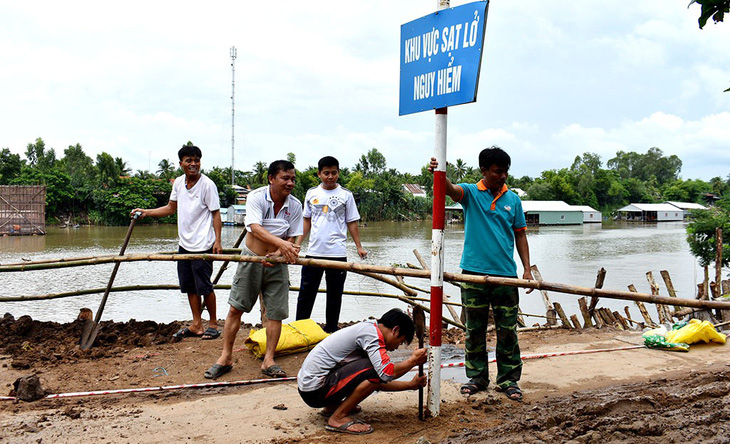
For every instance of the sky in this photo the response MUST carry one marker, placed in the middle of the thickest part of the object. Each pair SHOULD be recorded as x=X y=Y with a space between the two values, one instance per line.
x=560 y=78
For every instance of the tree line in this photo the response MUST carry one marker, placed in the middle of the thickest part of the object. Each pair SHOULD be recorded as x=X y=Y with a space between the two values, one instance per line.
x=81 y=189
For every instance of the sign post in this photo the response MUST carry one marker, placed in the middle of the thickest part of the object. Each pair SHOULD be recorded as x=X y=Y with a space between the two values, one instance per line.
x=441 y=56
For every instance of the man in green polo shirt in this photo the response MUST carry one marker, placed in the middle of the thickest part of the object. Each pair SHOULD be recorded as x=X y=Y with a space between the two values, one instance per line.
x=494 y=225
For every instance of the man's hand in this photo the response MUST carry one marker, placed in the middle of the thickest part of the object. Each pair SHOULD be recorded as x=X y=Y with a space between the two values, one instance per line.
x=217 y=248
x=418 y=382
x=527 y=275
x=288 y=250
x=419 y=356
x=362 y=252
x=433 y=165
x=141 y=213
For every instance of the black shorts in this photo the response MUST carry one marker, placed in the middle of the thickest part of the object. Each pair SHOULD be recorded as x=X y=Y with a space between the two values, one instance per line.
x=340 y=383
x=194 y=276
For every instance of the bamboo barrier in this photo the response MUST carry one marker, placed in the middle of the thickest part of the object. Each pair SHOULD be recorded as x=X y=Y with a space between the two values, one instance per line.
x=396 y=271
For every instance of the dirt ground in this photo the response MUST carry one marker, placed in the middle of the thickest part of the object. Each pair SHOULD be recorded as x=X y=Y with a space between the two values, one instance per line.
x=636 y=395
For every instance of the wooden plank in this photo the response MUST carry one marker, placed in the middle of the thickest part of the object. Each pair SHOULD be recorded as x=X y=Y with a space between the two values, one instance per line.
x=621 y=320
x=549 y=308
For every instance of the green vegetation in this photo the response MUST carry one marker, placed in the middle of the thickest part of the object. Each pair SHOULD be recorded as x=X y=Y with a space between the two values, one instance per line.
x=103 y=190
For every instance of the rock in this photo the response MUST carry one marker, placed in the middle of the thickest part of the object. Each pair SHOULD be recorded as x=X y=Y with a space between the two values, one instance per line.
x=28 y=388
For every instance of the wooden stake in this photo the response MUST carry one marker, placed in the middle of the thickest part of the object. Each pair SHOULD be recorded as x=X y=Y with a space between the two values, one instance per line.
x=584 y=310
x=621 y=320
x=563 y=318
x=670 y=286
x=642 y=309
x=655 y=291
x=549 y=309
x=451 y=310
x=576 y=322
x=600 y=278
x=628 y=316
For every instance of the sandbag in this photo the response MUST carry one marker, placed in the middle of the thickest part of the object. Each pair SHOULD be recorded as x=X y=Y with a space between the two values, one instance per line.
x=298 y=336
x=657 y=338
x=696 y=331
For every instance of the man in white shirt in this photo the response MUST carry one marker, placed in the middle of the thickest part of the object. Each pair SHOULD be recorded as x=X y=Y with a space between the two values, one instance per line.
x=195 y=198
x=274 y=220
x=329 y=212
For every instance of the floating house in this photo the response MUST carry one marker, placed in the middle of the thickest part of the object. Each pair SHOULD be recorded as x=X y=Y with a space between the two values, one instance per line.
x=687 y=207
x=551 y=212
x=415 y=190
x=236 y=214
x=650 y=212
x=589 y=214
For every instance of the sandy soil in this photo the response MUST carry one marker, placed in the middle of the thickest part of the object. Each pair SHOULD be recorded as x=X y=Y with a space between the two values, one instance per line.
x=638 y=395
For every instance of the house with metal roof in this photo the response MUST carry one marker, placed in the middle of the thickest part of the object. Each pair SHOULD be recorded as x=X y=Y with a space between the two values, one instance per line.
x=415 y=190
x=589 y=214
x=650 y=212
x=687 y=207
x=236 y=214
x=551 y=212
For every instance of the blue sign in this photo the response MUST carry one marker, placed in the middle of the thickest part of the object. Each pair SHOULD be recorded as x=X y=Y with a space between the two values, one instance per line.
x=440 y=58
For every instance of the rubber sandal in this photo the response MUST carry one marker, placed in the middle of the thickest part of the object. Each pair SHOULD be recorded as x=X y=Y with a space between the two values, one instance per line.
x=512 y=392
x=217 y=371
x=345 y=428
x=274 y=371
x=210 y=333
x=474 y=385
x=186 y=333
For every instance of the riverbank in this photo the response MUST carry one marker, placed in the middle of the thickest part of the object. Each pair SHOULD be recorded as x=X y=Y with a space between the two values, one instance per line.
x=636 y=395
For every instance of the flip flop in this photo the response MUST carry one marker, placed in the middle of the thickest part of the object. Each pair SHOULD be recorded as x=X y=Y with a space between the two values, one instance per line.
x=274 y=371
x=186 y=333
x=210 y=333
x=345 y=428
x=217 y=370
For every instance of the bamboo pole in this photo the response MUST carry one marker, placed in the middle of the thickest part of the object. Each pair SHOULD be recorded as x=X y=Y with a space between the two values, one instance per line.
x=549 y=309
x=224 y=266
x=718 y=262
x=424 y=274
x=425 y=266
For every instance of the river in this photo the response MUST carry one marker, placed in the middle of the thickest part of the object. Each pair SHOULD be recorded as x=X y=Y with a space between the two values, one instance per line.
x=569 y=254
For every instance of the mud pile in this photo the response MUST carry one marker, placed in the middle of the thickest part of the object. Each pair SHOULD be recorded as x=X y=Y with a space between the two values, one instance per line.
x=29 y=342
x=695 y=407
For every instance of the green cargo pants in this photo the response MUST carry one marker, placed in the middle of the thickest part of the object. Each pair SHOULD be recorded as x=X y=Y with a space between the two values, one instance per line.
x=476 y=299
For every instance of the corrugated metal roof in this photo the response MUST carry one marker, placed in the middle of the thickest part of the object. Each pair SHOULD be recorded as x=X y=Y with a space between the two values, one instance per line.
x=687 y=205
x=649 y=207
x=584 y=208
x=546 y=205
x=414 y=189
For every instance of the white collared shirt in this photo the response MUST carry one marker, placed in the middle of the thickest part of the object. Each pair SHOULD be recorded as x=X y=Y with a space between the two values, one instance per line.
x=260 y=210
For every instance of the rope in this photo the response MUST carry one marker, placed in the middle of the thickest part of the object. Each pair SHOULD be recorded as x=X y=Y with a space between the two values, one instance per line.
x=290 y=378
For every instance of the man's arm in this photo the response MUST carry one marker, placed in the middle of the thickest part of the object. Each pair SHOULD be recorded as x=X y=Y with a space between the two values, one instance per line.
x=167 y=210
x=453 y=191
x=417 y=357
x=306 y=226
x=286 y=248
x=355 y=233
x=217 y=225
x=523 y=250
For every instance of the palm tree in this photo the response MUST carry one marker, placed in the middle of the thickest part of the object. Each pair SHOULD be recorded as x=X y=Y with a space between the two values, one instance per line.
x=260 y=173
x=165 y=169
x=460 y=170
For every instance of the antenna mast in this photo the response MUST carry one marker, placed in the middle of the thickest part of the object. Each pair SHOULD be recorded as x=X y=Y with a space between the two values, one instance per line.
x=233 y=111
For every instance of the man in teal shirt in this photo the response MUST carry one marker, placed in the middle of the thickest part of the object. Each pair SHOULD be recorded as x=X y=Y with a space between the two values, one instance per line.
x=494 y=225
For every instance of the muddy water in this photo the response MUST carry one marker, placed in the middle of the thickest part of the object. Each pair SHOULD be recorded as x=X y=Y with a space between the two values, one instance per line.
x=564 y=254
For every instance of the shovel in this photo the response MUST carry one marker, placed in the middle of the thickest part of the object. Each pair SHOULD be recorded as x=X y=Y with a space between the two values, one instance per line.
x=419 y=318
x=91 y=328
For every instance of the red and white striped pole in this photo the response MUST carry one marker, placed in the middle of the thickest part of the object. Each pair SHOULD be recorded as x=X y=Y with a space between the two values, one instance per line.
x=437 y=257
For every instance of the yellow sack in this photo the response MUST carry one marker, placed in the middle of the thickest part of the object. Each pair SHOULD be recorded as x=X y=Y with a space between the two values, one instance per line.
x=298 y=336
x=696 y=331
